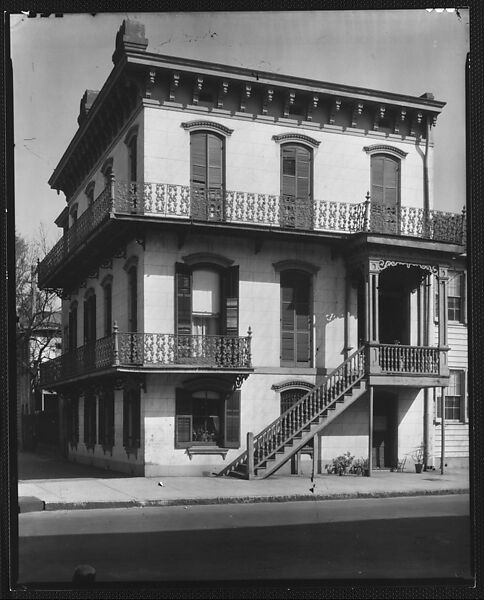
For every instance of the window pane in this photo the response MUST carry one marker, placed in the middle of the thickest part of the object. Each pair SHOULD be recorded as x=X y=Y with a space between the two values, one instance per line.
x=206 y=291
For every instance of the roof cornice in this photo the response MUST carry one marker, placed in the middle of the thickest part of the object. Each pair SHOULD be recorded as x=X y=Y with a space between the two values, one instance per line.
x=286 y=81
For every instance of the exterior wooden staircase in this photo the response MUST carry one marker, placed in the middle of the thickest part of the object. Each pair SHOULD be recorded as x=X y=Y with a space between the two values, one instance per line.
x=271 y=448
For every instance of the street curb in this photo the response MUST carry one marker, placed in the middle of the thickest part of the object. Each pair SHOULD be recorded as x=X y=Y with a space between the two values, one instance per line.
x=55 y=506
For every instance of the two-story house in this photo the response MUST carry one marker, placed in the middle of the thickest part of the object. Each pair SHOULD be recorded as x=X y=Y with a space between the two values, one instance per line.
x=248 y=269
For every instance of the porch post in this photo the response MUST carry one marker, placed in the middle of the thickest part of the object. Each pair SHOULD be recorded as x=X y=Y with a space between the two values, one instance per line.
x=443 y=312
x=370 y=432
x=347 y=347
x=376 y=329
x=316 y=454
x=426 y=325
x=442 y=425
x=250 y=455
x=368 y=307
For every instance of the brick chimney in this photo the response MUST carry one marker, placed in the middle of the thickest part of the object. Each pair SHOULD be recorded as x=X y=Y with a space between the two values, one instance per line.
x=131 y=36
x=86 y=102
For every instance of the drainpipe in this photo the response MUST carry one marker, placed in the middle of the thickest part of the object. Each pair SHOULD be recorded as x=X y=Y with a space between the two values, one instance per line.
x=426 y=324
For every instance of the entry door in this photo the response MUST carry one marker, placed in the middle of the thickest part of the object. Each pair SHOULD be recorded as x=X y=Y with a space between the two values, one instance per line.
x=384 y=433
x=393 y=317
x=385 y=194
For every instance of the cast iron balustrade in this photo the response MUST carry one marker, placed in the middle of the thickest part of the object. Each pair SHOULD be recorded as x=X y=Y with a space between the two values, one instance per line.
x=246 y=208
x=151 y=350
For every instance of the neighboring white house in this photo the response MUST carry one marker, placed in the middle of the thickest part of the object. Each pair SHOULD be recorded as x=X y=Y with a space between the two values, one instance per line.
x=240 y=246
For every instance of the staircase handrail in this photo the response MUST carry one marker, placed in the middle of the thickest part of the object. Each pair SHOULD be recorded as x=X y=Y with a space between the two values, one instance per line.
x=330 y=383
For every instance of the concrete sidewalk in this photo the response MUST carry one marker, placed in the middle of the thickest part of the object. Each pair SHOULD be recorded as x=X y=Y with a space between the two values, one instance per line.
x=90 y=489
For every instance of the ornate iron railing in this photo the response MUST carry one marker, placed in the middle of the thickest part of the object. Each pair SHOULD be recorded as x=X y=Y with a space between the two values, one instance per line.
x=150 y=350
x=171 y=349
x=300 y=415
x=267 y=210
x=89 y=220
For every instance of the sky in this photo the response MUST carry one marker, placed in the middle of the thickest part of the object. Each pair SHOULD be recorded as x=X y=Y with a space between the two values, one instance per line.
x=402 y=51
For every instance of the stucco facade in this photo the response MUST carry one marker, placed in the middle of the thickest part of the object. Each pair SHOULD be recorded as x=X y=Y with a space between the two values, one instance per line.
x=238 y=247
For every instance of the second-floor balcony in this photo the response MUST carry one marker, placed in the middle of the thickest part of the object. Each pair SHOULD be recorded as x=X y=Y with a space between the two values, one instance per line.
x=183 y=203
x=152 y=352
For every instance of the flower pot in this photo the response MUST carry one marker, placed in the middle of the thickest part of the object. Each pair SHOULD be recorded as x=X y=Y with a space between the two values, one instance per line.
x=418 y=467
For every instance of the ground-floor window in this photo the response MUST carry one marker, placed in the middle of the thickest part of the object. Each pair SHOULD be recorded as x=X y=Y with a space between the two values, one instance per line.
x=454 y=398
x=72 y=418
x=106 y=418
x=131 y=418
x=207 y=418
x=90 y=420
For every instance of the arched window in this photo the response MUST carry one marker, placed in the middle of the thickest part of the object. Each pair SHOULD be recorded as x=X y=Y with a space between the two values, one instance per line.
x=207 y=417
x=207 y=175
x=73 y=214
x=132 y=158
x=290 y=397
x=90 y=193
x=72 y=328
x=296 y=317
x=131 y=418
x=385 y=193
x=90 y=420
x=107 y=285
x=207 y=299
x=106 y=418
x=89 y=317
x=107 y=171
x=133 y=299
x=296 y=186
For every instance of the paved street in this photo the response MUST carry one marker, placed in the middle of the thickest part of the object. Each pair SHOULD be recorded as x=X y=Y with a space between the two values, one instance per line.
x=421 y=537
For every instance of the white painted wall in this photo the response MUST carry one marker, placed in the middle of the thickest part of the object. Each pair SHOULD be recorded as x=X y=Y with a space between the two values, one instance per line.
x=341 y=166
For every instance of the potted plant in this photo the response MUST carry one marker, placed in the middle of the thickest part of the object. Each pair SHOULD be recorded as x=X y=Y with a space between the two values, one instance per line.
x=418 y=456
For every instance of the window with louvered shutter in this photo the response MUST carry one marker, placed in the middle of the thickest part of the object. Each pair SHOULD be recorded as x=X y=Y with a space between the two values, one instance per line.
x=131 y=418
x=385 y=180
x=183 y=292
x=133 y=299
x=295 y=319
x=207 y=174
x=231 y=301
x=183 y=419
x=72 y=327
x=296 y=187
x=232 y=421
x=90 y=318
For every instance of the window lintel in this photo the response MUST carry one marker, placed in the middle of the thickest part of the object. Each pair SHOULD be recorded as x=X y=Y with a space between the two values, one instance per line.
x=130 y=263
x=132 y=132
x=296 y=138
x=108 y=280
x=207 y=125
x=216 y=384
x=292 y=384
x=296 y=265
x=207 y=258
x=385 y=149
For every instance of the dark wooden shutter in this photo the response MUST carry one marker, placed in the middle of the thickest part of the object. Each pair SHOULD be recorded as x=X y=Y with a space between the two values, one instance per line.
x=295 y=319
x=230 y=301
x=215 y=161
x=463 y=297
x=183 y=419
x=133 y=300
x=289 y=171
x=232 y=421
x=287 y=324
x=303 y=173
x=183 y=299
x=302 y=319
x=198 y=175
